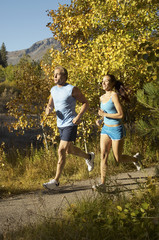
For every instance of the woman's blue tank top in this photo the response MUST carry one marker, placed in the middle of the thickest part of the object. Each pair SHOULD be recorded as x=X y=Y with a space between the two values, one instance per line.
x=64 y=105
x=109 y=107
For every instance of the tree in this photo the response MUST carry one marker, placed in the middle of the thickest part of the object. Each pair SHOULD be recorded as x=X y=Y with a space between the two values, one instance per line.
x=2 y=74
x=3 y=56
x=115 y=36
x=9 y=72
x=148 y=97
x=0 y=59
x=33 y=91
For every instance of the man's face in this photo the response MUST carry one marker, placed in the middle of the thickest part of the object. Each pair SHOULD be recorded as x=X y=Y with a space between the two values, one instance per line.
x=59 y=77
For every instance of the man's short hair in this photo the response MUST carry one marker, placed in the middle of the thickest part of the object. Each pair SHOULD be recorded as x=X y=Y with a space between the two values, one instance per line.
x=63 y=70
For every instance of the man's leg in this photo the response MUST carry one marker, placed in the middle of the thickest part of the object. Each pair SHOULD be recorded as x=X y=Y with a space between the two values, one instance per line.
x=77 y=151
x=54 y=183
x=63 y=147
x=89 y=157
x=67 y=147
x=68 y=134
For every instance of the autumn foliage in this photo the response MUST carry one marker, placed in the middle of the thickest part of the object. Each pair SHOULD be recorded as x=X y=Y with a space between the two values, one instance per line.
x=97 y=37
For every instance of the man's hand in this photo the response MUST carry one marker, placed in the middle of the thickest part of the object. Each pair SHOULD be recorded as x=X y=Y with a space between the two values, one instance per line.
x=76 y=120
x=50 y=106
x=48 y=110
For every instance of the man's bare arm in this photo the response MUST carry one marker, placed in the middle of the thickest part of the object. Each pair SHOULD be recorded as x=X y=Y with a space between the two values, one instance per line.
x=50 y=106
x=77 y=94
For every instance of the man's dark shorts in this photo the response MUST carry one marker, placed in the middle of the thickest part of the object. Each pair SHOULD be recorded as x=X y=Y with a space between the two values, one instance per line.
x=68 y=133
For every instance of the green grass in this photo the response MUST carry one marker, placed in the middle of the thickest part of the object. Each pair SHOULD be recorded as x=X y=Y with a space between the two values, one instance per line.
x=22 y=173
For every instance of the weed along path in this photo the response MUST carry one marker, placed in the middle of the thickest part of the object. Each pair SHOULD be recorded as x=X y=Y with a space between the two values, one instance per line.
x=29 y=208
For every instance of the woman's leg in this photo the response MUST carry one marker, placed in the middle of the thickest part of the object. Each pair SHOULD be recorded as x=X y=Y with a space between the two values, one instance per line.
x=117 y=146
x=105 y=145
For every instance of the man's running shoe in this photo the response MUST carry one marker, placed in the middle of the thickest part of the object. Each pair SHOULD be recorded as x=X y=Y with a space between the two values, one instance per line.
x=90 y=162
x=51 y=185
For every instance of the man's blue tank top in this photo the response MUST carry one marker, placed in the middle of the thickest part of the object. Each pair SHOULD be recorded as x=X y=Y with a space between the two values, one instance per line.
x=64 y=105
x=109 y=107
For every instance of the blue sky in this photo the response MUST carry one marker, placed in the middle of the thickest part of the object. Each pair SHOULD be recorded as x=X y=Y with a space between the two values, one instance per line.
x=23 y=22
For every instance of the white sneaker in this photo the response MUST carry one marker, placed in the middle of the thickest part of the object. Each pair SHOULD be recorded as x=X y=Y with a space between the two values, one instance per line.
x=138 y=163
x=51 y=185
x=90 y=162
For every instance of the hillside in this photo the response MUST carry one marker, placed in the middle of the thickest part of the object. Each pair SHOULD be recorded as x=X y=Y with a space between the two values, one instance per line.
x=36 y=51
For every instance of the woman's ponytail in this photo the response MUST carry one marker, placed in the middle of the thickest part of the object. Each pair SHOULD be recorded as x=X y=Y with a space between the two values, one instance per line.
x=119 y=86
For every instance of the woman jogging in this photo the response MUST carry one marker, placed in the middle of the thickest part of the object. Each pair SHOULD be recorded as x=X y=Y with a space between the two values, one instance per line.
x=113 y=131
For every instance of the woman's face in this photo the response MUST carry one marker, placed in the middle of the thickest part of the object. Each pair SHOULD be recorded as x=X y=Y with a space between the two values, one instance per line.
x=107 y=84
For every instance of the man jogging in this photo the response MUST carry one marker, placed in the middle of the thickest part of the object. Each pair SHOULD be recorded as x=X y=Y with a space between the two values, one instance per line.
x=63 y=100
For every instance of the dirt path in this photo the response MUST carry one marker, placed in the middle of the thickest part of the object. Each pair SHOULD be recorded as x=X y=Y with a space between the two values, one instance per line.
x=36 y=206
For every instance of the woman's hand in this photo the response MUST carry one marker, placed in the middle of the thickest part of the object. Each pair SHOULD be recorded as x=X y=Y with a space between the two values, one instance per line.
x=99 y=122
x=101 y=113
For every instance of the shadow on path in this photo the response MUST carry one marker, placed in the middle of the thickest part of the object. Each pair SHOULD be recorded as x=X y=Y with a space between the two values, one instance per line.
x=67 y=189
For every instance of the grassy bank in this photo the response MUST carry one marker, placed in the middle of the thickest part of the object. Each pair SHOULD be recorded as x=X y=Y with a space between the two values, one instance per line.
x=103 y=216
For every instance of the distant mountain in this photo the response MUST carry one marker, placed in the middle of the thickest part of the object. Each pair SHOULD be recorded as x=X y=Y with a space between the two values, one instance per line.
x=36 y=51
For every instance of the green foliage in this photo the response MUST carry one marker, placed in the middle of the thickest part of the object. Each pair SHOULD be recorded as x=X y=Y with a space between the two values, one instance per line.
x=47 y=59
x=105 y=218
x=7 y=86
x=149 y=98
x=9 y=73
x=33 y=89
x=2 y=75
